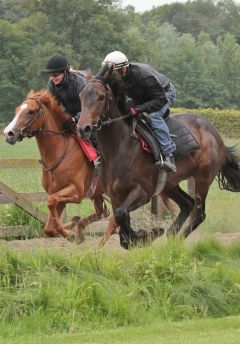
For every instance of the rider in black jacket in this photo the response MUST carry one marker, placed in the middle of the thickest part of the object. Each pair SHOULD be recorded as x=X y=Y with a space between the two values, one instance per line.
x=151 y=92
x=65 y=86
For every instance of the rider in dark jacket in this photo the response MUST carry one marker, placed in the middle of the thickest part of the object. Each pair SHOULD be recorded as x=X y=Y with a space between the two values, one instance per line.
x=151 y=92
x=65 y=85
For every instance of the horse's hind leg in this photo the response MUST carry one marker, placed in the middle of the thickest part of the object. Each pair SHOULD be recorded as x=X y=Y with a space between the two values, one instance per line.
x=185 y=203
x=198 y=214
x=112 y=227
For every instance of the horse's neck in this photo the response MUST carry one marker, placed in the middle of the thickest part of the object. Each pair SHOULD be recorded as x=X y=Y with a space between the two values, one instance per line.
x=114 y=135
x=50 y=144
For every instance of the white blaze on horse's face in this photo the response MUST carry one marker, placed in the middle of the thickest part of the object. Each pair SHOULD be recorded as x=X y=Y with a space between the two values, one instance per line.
x=11 y=126
x=11 y=132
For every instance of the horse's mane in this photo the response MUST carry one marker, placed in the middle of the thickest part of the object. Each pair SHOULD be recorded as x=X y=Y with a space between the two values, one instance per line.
x=51 y=103
x=117 y=87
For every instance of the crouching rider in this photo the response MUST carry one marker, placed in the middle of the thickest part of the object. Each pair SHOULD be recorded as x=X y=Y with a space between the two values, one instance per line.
x=153 y=93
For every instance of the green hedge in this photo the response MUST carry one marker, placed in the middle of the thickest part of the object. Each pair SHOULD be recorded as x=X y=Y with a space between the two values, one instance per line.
x=226 y=121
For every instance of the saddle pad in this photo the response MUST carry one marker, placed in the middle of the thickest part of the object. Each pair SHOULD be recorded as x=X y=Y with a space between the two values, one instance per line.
x=87 y=148
x=184 y=140
x=181 y=136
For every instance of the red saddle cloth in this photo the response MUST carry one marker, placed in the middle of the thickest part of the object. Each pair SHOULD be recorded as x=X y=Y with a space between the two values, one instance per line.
x=87 y=148
x=145 y=145
x=92 y=154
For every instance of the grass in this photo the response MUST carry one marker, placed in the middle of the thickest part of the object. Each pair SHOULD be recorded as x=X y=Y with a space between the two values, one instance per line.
x=72 y=292
x=207 y=331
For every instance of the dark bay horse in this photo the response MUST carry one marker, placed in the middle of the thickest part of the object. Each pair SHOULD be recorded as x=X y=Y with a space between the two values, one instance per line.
x=67 y=172
x=129 y=176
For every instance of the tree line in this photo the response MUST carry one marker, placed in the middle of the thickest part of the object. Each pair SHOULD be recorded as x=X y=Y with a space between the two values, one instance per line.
x=197 y=44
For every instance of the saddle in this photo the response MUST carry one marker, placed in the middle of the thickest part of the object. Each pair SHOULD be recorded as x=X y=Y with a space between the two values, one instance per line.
x=184 y=140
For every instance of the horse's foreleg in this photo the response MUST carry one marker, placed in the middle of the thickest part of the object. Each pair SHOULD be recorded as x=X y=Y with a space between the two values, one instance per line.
x=185 y=203
x=55 y=202
x=136 y=198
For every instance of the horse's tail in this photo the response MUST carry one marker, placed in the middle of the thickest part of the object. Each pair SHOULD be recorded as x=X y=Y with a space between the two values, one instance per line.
x=229 y=174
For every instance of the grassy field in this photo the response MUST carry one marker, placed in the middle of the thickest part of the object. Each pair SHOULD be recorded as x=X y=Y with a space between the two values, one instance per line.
x=171 y=293
x=207 y=331
x=222 y=207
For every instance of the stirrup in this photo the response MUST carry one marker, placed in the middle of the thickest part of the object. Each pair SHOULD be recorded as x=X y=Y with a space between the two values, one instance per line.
x=160 y=162
x=97 y=162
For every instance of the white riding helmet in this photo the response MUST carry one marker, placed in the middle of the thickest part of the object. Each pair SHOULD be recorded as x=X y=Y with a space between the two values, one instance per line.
x=119 y=59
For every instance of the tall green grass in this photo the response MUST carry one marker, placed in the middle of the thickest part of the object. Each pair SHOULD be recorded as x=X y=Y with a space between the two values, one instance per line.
x=53 y=292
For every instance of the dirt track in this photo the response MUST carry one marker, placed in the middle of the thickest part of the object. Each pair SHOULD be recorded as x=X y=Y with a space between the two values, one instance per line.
x=113 y=243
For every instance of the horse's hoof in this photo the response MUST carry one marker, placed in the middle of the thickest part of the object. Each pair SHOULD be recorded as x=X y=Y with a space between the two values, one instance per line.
x=157 y=232
x=52 y=234
x=71 y=236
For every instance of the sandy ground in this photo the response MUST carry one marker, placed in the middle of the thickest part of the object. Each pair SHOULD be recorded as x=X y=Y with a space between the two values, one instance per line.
x=113 y=243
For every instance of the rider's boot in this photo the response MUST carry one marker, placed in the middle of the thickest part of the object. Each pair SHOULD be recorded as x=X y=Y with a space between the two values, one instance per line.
x=168 y=163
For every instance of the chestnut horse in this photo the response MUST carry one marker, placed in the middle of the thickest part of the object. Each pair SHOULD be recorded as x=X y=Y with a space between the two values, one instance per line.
x=129 y=175
x=67 y=172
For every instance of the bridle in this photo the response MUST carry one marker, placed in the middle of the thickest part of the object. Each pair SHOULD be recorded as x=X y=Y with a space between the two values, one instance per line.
x=104 y=118
x=26 y=131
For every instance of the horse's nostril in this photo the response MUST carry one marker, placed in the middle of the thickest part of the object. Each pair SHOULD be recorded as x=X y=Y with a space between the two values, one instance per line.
x=10 y=133
x=87 y=129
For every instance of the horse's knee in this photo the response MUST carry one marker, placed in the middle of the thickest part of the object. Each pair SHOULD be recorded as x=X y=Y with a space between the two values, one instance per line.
x=51 y=202
x=120 y=216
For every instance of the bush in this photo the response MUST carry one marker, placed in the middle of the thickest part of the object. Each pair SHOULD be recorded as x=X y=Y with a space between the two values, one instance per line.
x=226 y=121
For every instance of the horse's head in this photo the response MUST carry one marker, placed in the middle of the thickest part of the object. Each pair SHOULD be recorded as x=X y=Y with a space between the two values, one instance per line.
x=27 y=119
x=95 y=98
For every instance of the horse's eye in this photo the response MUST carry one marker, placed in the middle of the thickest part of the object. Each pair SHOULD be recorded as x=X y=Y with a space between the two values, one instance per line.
x=31 y=112
x=101 y=97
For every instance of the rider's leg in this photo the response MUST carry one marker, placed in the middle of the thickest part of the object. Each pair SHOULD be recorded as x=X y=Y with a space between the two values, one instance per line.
x=161 y=131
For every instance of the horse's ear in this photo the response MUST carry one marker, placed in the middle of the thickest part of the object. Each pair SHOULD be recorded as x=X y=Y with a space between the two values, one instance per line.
x=88 y=74
x=30 y=93
x=107 y=70
x=111 y=68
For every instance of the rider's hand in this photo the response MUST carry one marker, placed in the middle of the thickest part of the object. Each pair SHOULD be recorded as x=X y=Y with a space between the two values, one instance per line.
x=135 y=110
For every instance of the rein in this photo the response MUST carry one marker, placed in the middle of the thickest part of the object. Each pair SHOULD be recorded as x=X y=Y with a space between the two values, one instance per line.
x=55 y=164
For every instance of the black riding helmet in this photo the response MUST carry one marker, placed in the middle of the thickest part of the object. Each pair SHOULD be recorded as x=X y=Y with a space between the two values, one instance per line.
x=56 y=63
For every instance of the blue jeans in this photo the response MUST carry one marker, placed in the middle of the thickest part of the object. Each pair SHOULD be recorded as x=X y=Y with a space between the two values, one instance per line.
x=159 y=126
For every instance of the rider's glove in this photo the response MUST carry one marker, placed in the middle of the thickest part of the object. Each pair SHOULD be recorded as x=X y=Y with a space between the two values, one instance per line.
x=135 y=110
